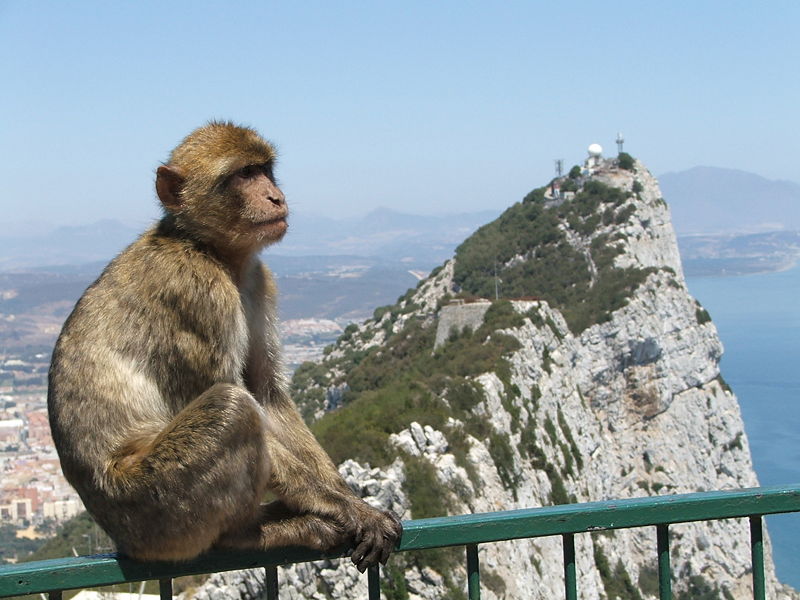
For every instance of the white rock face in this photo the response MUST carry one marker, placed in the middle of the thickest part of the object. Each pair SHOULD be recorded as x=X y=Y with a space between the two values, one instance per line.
x=630 y=407
x=651 y=238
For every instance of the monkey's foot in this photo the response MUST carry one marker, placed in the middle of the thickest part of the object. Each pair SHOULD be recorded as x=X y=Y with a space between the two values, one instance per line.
x=376 y=536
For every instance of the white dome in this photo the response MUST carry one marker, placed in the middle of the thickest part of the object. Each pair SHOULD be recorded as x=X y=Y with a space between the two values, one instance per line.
x=595 y=150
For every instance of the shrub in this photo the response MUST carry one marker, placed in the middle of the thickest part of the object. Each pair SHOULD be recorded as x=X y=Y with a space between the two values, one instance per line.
x=625 y=161
x=503 y=457
x=423 y=489
x=701 y=314
x=617 y=583
x=569 y=185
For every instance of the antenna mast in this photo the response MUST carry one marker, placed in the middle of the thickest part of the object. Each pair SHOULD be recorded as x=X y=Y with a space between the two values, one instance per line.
x=620 y=141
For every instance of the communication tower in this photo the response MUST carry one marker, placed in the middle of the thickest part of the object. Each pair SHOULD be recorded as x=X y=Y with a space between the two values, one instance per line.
x=620 y=141
x=559 y=167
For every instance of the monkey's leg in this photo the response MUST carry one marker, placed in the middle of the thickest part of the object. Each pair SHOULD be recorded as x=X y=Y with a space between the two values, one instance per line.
x=171 y=497
x=306 y=480
x=280 y=526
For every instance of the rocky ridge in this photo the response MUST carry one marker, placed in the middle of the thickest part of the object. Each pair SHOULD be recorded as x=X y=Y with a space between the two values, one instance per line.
x=578 y=403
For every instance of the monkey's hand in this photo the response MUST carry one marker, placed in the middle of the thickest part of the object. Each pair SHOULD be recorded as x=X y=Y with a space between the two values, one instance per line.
x=376 y=535
x=324 y=534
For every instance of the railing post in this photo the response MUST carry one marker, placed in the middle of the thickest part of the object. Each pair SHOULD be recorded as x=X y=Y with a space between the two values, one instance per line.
x=54 y=595
x=664 y=570
x=374 y=582
x=570 y=578
x=473 y=573
x=271 y=582
x=165 y=588
x=757 y=552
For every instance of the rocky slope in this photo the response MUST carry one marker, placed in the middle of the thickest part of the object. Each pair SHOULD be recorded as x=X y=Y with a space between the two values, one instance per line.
x=595 y=376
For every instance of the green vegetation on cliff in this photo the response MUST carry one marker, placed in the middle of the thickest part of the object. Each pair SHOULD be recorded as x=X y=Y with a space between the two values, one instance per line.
x=404 y=381
x=529 y=249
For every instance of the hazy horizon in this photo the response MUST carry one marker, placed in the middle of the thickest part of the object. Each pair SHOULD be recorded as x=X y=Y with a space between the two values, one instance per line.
x=37 y=226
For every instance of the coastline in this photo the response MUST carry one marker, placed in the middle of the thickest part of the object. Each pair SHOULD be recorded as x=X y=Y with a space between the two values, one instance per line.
x=758 y=321
x=739 y=266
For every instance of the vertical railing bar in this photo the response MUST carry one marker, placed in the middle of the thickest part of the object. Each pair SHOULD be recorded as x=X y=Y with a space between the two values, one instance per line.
x=570 y=577
x=664 y=570
x=165 y=588
x=374 y=582
x=54 y=595
x=473 y=573
x=271 y=582
x=757 y=552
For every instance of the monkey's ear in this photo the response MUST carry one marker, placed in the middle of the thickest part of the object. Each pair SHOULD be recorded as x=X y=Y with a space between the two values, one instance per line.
x=169 y=181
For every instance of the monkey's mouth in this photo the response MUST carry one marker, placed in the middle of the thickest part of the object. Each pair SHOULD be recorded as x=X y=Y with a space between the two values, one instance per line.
x=272 y=221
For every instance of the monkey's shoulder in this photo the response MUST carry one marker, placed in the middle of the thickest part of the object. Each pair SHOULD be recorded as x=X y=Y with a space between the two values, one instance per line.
x=156 y=279
x=162 y=266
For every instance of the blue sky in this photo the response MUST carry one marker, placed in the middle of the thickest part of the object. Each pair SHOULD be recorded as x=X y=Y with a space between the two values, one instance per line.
x=426 y=107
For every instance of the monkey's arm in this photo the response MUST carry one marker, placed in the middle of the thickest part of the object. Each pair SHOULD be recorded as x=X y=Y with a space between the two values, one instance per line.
x=306 y=479
x=302 y=473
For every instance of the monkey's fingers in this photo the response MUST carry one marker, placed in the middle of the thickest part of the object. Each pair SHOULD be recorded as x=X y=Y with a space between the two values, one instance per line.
x=371 y=559
x=358 y=554
x=368 y=552
x=388 y=546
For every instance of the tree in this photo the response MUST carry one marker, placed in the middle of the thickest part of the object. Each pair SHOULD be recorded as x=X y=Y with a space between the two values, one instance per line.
x=625 y=161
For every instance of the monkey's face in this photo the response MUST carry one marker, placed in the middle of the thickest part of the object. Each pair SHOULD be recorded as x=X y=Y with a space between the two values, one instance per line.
x=258 y=203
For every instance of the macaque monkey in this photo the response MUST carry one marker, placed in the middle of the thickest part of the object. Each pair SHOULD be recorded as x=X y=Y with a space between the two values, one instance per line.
x=167 y=400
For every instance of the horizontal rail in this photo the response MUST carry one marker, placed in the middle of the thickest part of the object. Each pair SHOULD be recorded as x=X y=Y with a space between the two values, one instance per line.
x=108 y=569
x=598 y=516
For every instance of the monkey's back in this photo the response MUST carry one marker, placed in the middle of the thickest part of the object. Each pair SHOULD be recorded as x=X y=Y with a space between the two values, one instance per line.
x=161 y=324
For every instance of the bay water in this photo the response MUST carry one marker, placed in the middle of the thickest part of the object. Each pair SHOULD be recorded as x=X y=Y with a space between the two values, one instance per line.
x=758 y=319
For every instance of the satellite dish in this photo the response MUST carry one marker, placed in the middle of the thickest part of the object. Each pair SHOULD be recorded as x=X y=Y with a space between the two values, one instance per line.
x=595 y=150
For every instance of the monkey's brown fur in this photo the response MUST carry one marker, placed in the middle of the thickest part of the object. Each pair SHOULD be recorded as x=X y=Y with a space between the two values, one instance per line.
x=167 y=401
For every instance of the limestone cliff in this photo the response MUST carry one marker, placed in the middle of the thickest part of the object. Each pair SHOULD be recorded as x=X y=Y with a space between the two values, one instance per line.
x=595 y=376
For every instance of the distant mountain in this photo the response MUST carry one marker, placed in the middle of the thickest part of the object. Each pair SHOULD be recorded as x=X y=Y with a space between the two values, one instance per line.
x=739 y=254
x=421 y=241
x=716 y=200
x=73 y=245
x=703 y=200
x=416 y=241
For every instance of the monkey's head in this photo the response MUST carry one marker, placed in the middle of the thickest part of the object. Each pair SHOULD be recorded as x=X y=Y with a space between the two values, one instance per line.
x=219 y=186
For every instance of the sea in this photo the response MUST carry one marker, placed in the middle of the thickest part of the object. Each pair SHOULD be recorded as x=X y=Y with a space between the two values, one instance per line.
x=758 y=319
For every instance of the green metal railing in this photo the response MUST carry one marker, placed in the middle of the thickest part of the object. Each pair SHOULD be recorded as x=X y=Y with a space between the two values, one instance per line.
x=54 y=576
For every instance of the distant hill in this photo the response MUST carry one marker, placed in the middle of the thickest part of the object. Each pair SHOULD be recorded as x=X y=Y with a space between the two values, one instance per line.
x=72 y=245
x=421 y=241
x=703 y=200
x=739 y=254
x=416 y=241
x=716 y=200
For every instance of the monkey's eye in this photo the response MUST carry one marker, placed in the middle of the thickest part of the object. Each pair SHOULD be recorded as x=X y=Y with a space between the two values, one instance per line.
x=248 y=171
